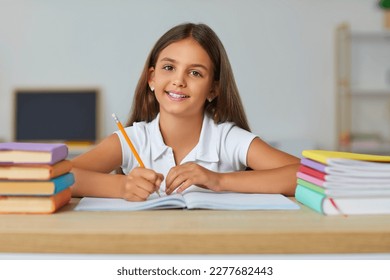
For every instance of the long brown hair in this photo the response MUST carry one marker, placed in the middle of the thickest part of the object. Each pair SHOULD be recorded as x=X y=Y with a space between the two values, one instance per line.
x=225 y=107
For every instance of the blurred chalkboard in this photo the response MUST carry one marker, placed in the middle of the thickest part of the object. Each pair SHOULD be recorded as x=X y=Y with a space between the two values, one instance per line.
x=56 y=115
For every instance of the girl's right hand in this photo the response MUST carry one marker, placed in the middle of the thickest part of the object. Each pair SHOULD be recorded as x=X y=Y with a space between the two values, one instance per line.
x=140 y=183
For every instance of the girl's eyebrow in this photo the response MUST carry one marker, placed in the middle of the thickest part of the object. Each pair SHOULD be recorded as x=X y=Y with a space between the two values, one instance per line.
x=168 y=59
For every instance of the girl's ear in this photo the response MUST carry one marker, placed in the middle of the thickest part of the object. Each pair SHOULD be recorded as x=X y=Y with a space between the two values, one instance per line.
x=151 y=78
x=214 y=92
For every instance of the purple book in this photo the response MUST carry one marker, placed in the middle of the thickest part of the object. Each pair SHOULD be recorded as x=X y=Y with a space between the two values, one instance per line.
x=38 y=153
x=314 y=164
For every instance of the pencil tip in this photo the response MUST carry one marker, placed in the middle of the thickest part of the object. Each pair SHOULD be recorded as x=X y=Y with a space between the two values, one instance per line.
x=114 y=116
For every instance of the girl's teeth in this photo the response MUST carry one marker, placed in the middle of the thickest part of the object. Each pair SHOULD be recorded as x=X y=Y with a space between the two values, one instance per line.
x=174 y=95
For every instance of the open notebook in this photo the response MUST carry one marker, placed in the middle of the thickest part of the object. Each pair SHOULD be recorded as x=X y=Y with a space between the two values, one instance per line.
x=199 y=199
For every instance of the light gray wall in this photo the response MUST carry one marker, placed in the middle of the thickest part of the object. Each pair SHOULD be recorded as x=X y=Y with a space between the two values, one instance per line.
x=282 y=53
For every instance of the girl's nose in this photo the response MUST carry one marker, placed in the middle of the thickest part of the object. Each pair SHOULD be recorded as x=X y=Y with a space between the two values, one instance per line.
x=179 y=80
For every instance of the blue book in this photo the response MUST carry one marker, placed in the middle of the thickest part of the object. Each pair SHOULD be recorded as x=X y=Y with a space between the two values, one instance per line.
x=36 y=188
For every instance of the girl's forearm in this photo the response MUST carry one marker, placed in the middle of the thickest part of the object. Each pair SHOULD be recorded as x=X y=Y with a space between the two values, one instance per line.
x=95 y=184
x=279 y=180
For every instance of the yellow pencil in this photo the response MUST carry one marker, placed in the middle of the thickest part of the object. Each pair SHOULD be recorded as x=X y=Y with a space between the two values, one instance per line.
x=120 y=126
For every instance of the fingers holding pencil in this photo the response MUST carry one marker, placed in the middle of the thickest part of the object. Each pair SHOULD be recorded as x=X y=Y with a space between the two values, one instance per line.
x=141 y=183
x=132 y=148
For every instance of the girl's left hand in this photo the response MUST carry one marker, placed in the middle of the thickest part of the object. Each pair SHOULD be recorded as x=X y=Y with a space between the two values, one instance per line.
x=183 y=176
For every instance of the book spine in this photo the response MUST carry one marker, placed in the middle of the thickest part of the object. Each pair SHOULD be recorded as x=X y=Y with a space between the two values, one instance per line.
x=312 y=172
x=60 y=168
x=311 y=186
x=310 y=198
x=60 y=200
x=310 y=179
x=63 y=182
x=314 y=164
x=59 y=153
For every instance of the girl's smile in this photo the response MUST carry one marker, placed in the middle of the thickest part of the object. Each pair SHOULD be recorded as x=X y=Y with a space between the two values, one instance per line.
x=176 y=96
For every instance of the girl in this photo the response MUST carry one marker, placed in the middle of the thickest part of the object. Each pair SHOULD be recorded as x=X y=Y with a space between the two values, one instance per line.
x=189 y=127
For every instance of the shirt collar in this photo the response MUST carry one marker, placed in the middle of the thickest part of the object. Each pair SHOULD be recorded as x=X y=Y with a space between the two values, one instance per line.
x=157 y=143
x=206 y=149
x=208 y=146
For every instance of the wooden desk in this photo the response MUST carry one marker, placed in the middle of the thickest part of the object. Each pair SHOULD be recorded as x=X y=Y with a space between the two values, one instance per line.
x=193 y=232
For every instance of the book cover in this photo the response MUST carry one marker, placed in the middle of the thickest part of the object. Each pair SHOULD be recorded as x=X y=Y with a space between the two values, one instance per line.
x=192 y=200
x=323 y=156
x=326 y=205
x=37 y=188
x=24 y=152
x=34 y=204
x=34 y=171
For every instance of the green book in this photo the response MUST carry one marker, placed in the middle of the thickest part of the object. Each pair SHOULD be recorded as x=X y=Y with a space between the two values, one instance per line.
x=311 y=186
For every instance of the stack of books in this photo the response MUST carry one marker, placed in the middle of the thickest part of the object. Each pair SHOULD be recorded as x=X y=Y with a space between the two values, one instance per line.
x=34 y=177
x=342 y=183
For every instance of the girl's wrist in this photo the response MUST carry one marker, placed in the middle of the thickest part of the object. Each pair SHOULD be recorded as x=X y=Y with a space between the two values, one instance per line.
x=220 y=182
x=122 y=179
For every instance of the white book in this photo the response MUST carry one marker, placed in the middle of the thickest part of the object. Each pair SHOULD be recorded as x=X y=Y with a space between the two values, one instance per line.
x=324 y=204
x=359 y=165
x=358 y=180
x=338 y=168
x=192 y=200
x=357 y=206
x=356 y=192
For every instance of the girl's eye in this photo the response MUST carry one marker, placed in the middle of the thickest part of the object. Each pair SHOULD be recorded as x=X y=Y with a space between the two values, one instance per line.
x=195 y=73
x=168 y=67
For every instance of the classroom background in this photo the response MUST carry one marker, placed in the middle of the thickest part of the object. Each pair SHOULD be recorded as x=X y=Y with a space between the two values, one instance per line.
x=282 y=52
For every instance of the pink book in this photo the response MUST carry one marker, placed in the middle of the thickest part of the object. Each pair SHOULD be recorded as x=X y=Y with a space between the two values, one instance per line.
x=311 y=179
x=39 y=153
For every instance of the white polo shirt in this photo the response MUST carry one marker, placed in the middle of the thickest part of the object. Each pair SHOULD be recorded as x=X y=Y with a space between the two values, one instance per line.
x=221 y=148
